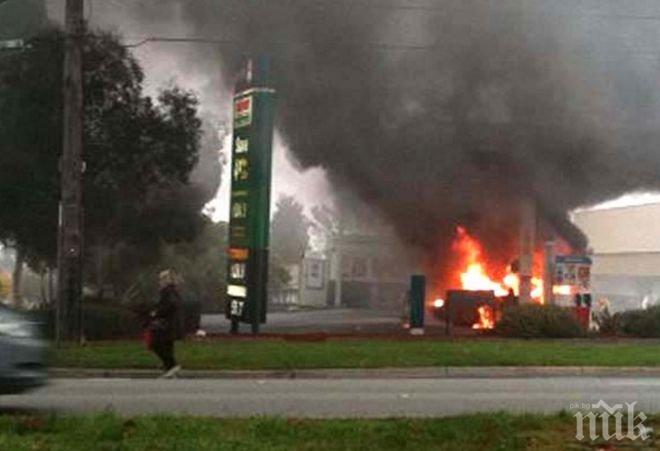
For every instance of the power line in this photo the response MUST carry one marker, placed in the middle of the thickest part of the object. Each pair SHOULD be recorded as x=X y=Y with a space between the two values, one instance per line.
x=140 y=41
x=382 y=46
x=375 y=5
x=199 y=40
x=394 y=47
x=234 y=42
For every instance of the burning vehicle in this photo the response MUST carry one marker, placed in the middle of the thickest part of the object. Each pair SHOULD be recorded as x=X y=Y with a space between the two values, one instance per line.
x=468 y=308
x=480 y=289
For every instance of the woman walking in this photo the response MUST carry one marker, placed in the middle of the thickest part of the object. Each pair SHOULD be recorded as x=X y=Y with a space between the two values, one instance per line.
x=165 y=323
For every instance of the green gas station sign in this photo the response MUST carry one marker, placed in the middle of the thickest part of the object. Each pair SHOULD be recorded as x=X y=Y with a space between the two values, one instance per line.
x=249 y=222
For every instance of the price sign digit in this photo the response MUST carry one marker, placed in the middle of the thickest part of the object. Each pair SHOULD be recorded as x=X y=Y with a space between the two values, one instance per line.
x=236 y=307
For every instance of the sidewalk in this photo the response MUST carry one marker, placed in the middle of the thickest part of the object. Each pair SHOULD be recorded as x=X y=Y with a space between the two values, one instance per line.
x=376 y=373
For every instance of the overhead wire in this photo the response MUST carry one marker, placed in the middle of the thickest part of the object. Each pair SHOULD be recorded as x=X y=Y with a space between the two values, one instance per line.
x=391 y=47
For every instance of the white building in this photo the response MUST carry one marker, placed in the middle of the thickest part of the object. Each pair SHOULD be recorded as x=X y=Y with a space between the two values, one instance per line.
x=626 y=251
x=369 y=270
x=357 y=270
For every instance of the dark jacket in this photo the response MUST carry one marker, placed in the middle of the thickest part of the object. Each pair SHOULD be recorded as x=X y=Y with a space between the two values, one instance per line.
x=166 y=319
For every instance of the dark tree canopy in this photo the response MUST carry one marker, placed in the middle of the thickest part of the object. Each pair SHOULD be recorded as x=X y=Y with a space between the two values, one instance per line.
x=139 y=152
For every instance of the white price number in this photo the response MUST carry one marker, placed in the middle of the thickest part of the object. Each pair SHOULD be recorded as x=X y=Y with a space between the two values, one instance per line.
x=237 y=307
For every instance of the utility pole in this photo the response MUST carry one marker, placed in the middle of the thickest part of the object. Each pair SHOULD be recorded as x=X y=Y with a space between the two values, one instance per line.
x=549 y=273
x=337 y=247
x=70 y=239
x=527 y=242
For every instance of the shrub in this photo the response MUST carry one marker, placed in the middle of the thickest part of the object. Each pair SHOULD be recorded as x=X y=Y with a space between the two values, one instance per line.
x=538 y=321
x=106 y=321
x=192 y=316
x=101 y=320
x=640 y=323
x=110 y=320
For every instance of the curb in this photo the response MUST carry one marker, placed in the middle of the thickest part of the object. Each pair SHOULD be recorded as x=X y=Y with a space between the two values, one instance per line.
x=376 y=373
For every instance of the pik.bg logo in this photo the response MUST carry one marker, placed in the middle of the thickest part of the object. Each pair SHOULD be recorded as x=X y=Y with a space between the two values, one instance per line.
x=611 y=422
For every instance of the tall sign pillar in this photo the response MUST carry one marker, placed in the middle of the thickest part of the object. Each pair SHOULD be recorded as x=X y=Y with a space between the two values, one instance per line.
x=249 y=223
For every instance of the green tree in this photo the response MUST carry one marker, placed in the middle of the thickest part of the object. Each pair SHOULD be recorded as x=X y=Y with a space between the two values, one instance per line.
x=201 y=263
x=289 y=231
x=279 y=276
x=139 y=153
x=20 y=19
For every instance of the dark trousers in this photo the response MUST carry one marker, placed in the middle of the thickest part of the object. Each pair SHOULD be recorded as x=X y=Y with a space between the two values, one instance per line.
x=164 y=349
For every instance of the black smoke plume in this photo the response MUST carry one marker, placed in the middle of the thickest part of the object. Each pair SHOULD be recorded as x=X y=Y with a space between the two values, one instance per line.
x=441 y=113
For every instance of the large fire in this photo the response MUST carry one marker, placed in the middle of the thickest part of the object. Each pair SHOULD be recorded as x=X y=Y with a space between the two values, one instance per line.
x=474 y=277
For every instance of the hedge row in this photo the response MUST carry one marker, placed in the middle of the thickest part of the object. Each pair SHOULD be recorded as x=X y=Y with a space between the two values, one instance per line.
x=538 y=321
x=639 y=323
x=108 y=320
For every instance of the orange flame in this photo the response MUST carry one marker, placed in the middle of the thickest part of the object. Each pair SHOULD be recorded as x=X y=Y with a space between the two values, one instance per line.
x=486 y=318
x=474 y=277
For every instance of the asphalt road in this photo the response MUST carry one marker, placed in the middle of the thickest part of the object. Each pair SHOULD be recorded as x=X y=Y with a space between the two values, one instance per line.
x=321 y=398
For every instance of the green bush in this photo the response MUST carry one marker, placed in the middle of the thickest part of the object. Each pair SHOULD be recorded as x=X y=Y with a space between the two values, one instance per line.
x=538 y=321
x=107 y=321
x=640 y=323
x=192 y=316
x=110 y=320
x=101 y=320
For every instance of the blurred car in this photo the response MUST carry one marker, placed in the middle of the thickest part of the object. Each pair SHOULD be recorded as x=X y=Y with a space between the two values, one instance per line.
x=22 y=352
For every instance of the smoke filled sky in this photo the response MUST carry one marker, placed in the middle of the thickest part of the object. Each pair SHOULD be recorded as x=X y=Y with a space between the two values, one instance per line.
x=437 y=113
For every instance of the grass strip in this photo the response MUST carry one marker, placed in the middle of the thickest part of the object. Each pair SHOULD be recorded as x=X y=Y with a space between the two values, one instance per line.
x=364 y=353
x=498 y=431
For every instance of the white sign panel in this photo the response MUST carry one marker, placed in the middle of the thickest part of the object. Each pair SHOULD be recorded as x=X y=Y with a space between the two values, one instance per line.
x=573 y=270
x=314 y=274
